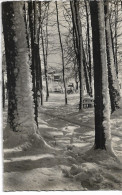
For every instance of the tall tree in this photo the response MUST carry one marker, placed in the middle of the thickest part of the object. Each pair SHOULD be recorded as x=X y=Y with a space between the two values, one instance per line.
x=21 y=105
x=33 y=55
x=40 y=66
x=3 y=89
x=62 y=52
x=78 y=33
x=45 y=45
x=86 y=73
x=116 y=33
x=89 y=46
x=9 y=40
x=112 y=76
x=102 y=102
x=33 y=12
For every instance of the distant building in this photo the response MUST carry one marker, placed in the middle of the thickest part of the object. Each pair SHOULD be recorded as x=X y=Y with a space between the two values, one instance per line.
x=55 y=82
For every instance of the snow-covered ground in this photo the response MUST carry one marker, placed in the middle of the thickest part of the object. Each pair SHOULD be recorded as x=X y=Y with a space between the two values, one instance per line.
x=73 y=164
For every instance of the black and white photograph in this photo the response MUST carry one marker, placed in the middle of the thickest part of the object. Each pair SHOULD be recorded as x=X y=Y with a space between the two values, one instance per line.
x=61 y=100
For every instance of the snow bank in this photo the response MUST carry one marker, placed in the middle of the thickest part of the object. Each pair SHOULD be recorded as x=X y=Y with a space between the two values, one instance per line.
x=88 y=174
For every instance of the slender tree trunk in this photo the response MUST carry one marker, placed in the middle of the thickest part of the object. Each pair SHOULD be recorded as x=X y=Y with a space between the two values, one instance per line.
x=116 y=41
x=46 y=50
x=112 y=78
x=32 y=10
x=3 y=89
x=40 y=78
x=39 y=60
x=86 y=74
x=89 y=46
x=46 y=38
x=36 y=62
x=36 y=51
x=33 y=68
x=76 y=72
x=44 y=59
x=62 y=51
x=80 y=53
x=45 y=67
x=26 y=25
x=75 y=45
x=102 y=100
x=112 y=40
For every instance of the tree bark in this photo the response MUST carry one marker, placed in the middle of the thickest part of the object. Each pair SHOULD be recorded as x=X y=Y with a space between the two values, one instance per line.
x=26 y=25
x=79 y=51
x=21 y=116
x=75 y=44
x=21 y=106
x=44 y=56
x=45 y=67
x=3 y=89
x=33 y=54
x=112 y=40
x=116 y=40
x=40 y=78
x=102 y=100
x=112 y=77
x=86 y=74
x=10 y=45
x=89 y=46
x=40 y=67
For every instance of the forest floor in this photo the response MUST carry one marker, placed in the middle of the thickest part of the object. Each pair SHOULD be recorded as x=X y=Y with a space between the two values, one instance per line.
x=73 y=165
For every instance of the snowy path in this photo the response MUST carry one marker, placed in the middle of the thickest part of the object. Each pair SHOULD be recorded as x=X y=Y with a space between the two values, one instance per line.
x=45 y=168
x=72 y=132
x=44 y=171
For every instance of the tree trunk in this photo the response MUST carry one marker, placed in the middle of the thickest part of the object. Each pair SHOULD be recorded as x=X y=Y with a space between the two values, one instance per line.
x=112 y=40
x=10 y=45
x=89 y=46
x=112 y=78
x=86 y=74
x=3 y=89
x=45 y=67
x=26 y=25
x=21 y=106
x=46 y=51
x=40 y=78
x=75 y=44
x=80 y=52
x=116 y=44
x=39 y=60
x=44 y=57
x=102 y=100
x=33 y=55
x=62 y=52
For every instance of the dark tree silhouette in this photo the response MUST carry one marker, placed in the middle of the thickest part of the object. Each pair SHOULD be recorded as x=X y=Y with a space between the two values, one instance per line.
x=102 y=102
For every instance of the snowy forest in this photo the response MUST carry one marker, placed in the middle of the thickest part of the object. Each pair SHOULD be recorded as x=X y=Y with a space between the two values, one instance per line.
x=61 y=95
